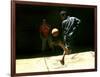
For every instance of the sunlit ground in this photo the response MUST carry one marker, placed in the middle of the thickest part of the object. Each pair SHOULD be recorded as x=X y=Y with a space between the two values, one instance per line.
x=84 y=60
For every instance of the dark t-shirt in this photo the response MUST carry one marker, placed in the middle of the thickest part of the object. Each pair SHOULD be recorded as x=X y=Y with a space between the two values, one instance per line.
x=69 y=26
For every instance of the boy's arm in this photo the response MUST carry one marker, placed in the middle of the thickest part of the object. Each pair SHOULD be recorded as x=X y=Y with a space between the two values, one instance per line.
x=76 y=24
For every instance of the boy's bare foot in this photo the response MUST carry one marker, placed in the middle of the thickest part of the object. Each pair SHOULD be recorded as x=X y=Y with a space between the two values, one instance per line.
x=62 y=62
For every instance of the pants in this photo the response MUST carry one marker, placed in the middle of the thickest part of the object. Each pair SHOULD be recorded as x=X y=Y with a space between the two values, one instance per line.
x=44 y=42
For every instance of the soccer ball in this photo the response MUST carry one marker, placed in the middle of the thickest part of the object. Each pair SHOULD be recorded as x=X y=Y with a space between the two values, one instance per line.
x=55 y=32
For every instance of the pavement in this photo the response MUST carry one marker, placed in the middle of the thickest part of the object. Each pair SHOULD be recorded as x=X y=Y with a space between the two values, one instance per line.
x=76 y=61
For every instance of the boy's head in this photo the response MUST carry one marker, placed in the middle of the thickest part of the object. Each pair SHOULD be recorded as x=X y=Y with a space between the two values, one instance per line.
x=63 y=14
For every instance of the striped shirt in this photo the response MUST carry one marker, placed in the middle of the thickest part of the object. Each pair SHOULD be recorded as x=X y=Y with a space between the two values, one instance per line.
x=69 y=25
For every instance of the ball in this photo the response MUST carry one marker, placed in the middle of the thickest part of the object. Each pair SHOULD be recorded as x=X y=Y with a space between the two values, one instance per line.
x=55 y=32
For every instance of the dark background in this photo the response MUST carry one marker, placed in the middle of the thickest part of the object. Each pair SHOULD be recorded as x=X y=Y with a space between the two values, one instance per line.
x=28 y=20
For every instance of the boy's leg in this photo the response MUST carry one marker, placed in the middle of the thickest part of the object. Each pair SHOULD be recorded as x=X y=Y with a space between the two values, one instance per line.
x=50 y=43
x=44 y=40
x=66 y=51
